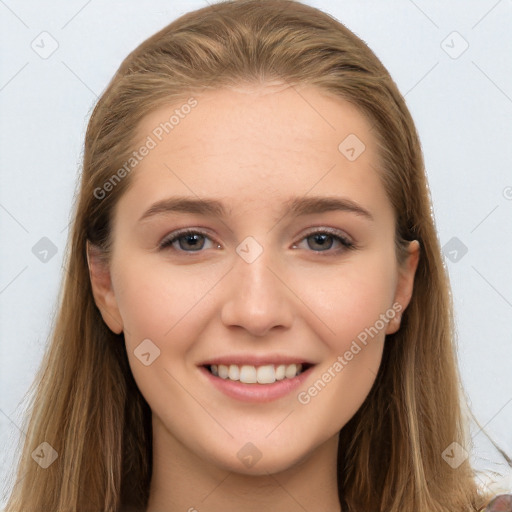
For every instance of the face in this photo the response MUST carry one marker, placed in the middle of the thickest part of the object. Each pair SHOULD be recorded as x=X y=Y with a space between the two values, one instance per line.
x=291 y=262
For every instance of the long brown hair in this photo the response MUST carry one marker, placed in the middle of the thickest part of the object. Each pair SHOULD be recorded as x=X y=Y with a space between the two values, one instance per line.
x=86 y=404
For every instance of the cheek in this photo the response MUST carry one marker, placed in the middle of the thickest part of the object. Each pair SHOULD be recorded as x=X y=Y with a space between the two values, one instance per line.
x=158 y=301
x=351 y=316
x=356 y=305
x=163 y=310
x=169 y=305
x=351 y=299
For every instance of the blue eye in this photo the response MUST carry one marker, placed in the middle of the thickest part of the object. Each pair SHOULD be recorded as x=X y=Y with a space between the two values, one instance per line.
x=194 y=241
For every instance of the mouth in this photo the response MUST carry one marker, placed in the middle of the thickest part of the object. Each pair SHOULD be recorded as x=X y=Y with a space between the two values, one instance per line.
x=263 y=374
x=258 y=383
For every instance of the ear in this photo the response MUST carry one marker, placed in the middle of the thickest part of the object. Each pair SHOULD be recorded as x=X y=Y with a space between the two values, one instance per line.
x=405 y=284
x=102 y=290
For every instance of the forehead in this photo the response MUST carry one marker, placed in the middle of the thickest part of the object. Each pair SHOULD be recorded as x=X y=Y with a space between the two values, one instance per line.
x=257 y=146
x=239 y=115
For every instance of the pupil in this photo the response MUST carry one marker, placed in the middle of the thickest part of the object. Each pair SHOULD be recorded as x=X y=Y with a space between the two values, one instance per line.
x=320 y=239
x=192 y=240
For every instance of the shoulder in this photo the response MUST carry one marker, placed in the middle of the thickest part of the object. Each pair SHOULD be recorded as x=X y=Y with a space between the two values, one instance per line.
x=501 y=503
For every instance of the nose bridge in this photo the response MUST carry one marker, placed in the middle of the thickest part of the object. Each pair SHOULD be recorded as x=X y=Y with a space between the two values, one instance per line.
x=252 y=268
x=257 y=300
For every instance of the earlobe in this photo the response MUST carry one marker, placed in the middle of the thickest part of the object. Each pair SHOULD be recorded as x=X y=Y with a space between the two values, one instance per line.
x=405 y=284
x=102 y=290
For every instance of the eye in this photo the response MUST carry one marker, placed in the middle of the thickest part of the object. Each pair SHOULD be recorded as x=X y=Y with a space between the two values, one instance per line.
x=319 y=241
x=324 y=239
x=187 y=241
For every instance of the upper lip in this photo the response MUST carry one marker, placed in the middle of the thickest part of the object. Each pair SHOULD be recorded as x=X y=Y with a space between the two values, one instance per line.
x=254 y=360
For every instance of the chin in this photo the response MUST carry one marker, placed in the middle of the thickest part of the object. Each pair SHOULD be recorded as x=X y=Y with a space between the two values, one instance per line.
x=259 y=458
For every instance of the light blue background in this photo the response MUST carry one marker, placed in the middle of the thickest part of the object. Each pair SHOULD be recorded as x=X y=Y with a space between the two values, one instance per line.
x=462 y=107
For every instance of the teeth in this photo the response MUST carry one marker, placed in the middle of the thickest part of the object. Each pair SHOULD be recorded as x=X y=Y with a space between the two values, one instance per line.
x=249 y=374
x=223 y=371
x=266 y=374
x=234 y=372
x=291 y=371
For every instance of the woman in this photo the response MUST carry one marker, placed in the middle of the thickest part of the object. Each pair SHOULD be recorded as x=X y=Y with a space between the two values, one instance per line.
x=255 y=314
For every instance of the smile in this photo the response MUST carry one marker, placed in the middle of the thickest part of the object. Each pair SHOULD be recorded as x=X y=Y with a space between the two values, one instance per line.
x=262 y=383
x=249 y=374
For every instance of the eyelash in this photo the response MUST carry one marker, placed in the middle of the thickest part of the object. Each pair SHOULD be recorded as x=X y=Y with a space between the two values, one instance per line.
x=345 y=242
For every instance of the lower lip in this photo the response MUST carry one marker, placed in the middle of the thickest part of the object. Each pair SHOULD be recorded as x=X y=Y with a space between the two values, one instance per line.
x=256 y=392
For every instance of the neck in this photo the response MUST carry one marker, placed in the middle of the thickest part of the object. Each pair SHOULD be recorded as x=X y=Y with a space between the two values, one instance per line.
x=183 y=482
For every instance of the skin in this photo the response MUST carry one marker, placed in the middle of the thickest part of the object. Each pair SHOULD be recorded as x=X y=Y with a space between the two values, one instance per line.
x=252 y=148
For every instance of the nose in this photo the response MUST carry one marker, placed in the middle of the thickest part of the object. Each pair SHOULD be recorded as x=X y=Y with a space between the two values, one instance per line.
x=258 y=297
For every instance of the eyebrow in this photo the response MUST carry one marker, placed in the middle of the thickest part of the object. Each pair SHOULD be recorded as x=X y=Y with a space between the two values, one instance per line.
x=298 y=206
